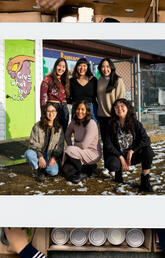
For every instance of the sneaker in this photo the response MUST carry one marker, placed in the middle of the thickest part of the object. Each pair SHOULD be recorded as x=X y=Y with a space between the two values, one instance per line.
x=40 y=175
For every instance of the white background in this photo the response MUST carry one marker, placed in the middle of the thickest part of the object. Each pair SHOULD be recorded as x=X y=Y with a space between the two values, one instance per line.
x=82 y=211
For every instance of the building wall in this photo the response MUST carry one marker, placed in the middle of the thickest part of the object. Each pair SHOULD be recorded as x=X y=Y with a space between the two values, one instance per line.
x=2 y=92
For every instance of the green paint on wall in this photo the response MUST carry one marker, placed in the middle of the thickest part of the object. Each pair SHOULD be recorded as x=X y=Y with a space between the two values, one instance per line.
x=19 y=87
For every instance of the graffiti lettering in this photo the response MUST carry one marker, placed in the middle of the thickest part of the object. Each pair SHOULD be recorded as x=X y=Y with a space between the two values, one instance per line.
x=21 y=76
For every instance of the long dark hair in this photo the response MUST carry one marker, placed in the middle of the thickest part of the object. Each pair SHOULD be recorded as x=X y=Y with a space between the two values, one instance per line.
x=130 y=120
x=64 y=77
x=112 y=84
x=88 y=114
x=75 y=73
x=44 y=120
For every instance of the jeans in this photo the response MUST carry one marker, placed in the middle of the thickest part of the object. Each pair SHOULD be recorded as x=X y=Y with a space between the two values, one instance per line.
x=93 y=109
x=31 y=157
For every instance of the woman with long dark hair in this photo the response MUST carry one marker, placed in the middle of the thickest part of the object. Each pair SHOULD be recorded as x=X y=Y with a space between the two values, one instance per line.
x=83 y=86
x=55 y=89
x=81 y=156
x=46 y=143
x=127 y=143
x=110 y=87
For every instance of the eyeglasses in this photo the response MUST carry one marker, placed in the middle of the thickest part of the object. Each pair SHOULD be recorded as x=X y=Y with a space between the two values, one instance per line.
x=118 y=107
x=51 y=112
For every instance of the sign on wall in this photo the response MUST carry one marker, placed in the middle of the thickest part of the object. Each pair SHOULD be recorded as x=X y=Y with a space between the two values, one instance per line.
x=50 y=56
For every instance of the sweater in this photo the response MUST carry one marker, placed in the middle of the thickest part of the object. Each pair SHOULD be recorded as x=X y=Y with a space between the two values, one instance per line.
x=86 y=138
x=87 y=92
x=105 y=100
x=31 y=252
x=49 y=93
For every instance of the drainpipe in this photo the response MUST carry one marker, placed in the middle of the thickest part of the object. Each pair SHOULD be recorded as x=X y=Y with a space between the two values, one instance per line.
x=139 y=86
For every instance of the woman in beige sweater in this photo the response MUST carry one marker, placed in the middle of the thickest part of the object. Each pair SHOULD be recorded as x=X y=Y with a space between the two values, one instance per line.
x=110 y=87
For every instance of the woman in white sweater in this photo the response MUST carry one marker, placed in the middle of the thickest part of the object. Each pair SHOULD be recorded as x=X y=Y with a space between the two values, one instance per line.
x=110 y=87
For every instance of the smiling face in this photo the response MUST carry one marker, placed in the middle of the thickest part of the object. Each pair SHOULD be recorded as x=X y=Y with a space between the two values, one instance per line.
x=81 y=111
x=60 y=68
x=121 y=110
x=106 y=69
x=51 y=113
x=82 y=69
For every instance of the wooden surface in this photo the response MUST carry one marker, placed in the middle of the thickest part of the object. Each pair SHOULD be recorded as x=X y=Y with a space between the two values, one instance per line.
x=14 y=6
x=146 y=247
x=20 y=17
x=118 y=9
x=161 y=16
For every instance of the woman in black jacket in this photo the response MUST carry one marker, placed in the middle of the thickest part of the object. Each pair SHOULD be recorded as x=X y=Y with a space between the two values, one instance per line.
x=127 y=143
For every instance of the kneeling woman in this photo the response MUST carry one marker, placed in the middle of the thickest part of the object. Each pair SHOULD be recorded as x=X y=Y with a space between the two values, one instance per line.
x=127 y=143
x=46 y=143
x=86 y=152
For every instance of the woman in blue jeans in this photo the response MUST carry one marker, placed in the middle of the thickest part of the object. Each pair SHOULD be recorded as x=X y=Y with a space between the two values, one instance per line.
x=83 y=86
x=46 y=143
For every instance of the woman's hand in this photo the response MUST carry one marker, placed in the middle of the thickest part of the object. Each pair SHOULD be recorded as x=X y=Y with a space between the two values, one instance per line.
x=50 y=4
x=124 y=164
x=129 y=157
x=52 y=162
x=42 y=162
x=17 y=239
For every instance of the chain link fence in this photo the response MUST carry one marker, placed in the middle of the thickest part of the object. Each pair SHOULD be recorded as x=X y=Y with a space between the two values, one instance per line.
x=153 y=93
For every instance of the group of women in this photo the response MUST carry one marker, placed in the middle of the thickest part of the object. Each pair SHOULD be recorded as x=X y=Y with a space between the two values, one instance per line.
x=94 y=102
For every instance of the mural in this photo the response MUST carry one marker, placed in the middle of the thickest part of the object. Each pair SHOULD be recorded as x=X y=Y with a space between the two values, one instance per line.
x=19 y=70
x=51 y=55
x=19 y=87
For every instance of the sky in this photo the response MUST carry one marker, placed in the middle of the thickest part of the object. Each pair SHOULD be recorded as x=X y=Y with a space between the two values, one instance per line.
x=151 y=46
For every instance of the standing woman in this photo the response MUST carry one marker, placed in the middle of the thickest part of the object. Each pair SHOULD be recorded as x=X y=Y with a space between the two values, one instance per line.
x=55 y=89
x=46 y=143
x=127 y=143
x=86 y=150
x=83 y=86
x=110 y=87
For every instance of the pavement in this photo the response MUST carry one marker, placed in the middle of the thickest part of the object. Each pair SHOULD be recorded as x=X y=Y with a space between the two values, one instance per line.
x=12 y=151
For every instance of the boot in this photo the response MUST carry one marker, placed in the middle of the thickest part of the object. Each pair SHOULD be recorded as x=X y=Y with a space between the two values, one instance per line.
x=145 y=183
x=40 y=175
x=71 y=169
x=78 y=178
x=89 y=170
x=119 y=177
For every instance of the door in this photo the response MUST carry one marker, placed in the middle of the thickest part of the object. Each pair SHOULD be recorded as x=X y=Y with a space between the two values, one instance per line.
x=19 y=87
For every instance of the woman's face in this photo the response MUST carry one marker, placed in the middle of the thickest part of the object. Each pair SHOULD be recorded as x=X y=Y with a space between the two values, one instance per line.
x=60 y=68
x=82 y=69
x=81 y=111
x=51 y=113
x=106 y=69
x=121 y=110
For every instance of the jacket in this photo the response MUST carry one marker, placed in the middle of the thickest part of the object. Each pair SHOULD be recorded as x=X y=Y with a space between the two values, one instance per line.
x=140 y=140
x=38 y=141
